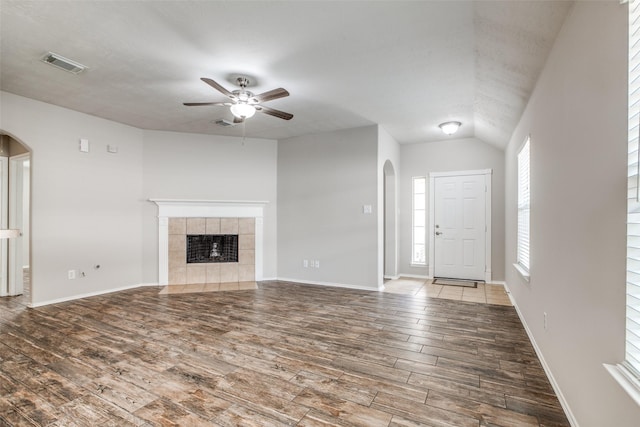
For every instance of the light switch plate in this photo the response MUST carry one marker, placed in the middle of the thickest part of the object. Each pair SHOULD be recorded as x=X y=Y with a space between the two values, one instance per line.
x=84 y=145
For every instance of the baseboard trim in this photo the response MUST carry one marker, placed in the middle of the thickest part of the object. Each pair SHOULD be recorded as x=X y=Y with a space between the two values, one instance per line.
x=391 y=277
x=330 y=284
x=543 y=362
x=90 y=294
x=414 y=276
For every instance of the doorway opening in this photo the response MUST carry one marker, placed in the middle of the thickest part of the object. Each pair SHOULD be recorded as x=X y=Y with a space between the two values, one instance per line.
x=390 y=223
x=15 y=218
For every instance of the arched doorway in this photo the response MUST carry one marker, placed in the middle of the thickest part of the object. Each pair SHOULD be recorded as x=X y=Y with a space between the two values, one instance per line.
x=15 y=217
x=390 y=222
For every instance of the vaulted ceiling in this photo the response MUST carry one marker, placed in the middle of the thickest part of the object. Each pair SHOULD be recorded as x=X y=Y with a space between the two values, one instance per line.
x=406 y=65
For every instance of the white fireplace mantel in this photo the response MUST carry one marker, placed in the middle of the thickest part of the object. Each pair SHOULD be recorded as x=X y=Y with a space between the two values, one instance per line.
x=189 y=208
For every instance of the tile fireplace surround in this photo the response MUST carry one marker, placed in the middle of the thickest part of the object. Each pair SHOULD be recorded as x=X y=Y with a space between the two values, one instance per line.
x=177 y=218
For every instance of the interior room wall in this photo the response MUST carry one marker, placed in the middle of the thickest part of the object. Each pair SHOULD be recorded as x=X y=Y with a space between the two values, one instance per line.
x=324 y=180
x=208 y=167
x=85 y=207
x=445 y=156
x=577 y=120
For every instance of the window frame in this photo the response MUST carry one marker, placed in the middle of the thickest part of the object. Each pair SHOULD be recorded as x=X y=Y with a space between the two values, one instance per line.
x=627 y=373
x=414 y=211
x=523 y=258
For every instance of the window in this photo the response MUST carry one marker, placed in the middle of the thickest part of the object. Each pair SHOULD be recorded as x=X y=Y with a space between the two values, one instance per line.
x=632 y=357
x=628 y=372
x=522 y=256
x=418 y=256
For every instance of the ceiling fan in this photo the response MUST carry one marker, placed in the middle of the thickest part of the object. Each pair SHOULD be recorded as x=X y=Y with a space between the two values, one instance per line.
x=244 y=103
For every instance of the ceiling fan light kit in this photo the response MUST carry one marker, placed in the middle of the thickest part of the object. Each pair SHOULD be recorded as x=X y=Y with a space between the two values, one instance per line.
x=450 y=128
x=244 y=103
x=245 y=111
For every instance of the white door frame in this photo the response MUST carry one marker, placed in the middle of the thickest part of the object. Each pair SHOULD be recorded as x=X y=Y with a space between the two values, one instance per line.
x=16 y=214
x=4 y=215
x=431 y=233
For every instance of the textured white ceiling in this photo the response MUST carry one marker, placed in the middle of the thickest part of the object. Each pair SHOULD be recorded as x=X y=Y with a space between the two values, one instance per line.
x=405 y=65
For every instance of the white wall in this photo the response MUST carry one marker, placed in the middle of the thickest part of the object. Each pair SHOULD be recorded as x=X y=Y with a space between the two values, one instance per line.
x=577 y=121
x=91 y=208
x=85 y=206
x=445 y=156
x=323 y=182
x=207 y=167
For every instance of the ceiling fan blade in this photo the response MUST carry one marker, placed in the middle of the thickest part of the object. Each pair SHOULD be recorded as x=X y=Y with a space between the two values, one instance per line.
x=274 y=112
x=218 y=87
x=196 y=104
x=271 y=95
x=238 y=119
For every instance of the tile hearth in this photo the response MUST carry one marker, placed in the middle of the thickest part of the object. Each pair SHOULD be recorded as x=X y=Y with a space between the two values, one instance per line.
x=207 y=287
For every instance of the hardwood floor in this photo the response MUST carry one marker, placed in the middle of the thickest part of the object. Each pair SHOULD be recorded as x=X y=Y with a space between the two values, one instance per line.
x=281 y=355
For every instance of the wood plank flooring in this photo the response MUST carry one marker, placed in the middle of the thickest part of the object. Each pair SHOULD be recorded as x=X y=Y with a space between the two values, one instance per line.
x=281 y=355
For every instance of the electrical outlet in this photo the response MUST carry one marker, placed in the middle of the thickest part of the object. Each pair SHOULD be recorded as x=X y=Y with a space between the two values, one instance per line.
x=71 y=274
x=545 y=320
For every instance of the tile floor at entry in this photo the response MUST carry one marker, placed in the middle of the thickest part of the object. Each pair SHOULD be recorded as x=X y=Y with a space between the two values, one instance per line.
x=488 y=293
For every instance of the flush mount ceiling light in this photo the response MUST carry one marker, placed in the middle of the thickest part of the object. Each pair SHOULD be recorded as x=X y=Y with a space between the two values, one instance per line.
x=63 y=63
x=450 y=127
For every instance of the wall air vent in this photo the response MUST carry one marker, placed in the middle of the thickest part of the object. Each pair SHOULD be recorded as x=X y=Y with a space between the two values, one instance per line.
x=63 y=63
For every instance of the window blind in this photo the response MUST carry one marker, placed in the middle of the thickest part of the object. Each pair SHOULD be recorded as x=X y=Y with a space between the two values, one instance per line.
x=524 y=207
x=419 y=221
x=632 y=357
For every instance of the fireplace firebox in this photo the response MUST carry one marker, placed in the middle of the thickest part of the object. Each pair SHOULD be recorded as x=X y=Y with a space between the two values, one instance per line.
x=212 y=248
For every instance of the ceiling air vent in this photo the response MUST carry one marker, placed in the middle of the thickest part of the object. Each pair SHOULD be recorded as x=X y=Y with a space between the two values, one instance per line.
x=63 y=63
x=224 y=123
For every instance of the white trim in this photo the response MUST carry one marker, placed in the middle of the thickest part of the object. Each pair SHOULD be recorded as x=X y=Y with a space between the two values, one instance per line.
x=4 y=224
x=461 y=173
x=431 y=226
x=414 y=265
x=497 y=282
x=329 y=284
x=16 y=188
x=416 y=276
x=396 y=277
x=186 y=208
x=90 y=294
x=524 y=273
x=413 y=219
x=626 y=379
x=543 y=362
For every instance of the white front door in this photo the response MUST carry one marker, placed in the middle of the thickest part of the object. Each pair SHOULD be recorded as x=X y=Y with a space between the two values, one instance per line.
x=459 y=226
